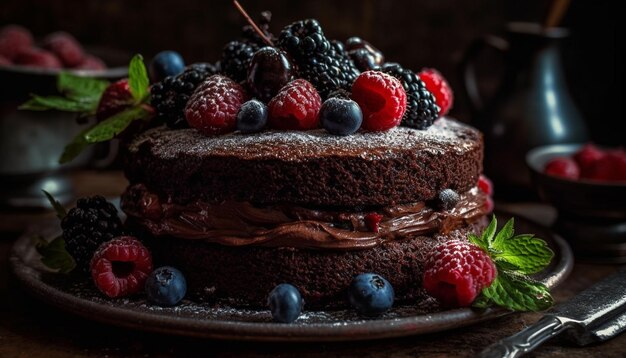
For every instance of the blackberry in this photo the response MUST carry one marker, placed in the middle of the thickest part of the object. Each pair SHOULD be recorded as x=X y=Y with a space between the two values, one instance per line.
x=170 y=96
x=421 y=108
x=92 y=222
x=236 y=59
x=322 y=62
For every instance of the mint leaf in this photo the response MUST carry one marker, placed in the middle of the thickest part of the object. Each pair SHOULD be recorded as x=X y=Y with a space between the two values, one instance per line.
x=487 y=236
x=517 y=293
x=112 y=126
x=39 y=103
x=504 y=234
x=138 y=78
x=60 y=210
x=483 y=241
x=54 y=255
x=525 y=253
x=75 y=147
x=80 y=88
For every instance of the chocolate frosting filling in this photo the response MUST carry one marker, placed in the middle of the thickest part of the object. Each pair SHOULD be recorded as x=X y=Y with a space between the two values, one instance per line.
x=234 y=223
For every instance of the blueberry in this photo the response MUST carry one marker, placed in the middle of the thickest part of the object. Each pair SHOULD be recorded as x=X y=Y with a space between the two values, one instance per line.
x=447 y=199
x=371 y=294
x=341 y=116
x=285 y=303
x=252 y=116
x=164 y=64
x=166 y=286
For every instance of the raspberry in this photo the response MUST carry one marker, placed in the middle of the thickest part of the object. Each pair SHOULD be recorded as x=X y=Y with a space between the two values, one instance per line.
x=92 y=222
x=456 y=272
x=115 y=98
x=36 y=57
x=170 y=96
x=381 y=98
x=65 y=47
x=485 y=185
x=372 y=221
x=213 y=106
x=121 y=267
x=489 y=205
x=91 y=63
x=296 y=106
x=562 y=167
x=611 y=167
x=439 y=87
x=13 y=40
x=586 y=157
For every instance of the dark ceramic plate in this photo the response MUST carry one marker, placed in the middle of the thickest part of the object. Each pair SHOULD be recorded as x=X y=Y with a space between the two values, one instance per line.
x=78 y=296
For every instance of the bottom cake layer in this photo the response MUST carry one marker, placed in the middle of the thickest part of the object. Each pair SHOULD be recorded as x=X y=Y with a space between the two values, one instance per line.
x=243 y=276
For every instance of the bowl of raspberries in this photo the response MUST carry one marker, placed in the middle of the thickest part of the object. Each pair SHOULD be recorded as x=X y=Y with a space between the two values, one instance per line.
x=586 y=183
x=30 y=64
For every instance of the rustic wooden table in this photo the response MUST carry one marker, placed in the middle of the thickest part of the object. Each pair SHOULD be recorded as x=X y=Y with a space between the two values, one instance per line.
x=30 y=328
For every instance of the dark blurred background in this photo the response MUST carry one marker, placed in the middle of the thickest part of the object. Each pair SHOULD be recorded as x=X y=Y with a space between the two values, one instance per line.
x=428 y=33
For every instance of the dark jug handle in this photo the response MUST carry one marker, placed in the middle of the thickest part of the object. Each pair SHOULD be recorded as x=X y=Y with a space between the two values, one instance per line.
x=468 y=71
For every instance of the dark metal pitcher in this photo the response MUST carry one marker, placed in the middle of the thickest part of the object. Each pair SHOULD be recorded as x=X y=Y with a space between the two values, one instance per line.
x=530 y=108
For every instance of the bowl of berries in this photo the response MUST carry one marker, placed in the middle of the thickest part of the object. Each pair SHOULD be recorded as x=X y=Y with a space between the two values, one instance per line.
x=32 y=141
x=587 y=185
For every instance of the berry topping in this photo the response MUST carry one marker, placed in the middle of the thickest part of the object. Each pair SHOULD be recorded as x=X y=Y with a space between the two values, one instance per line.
x=340 y=116
x=586 y=158
x=371 y=294
x=456 y=272
x=447 y=199
x=372 y=221
x=421 y=109
x=485 y=185
x=285 y=303
x=92 y=222
x=562 y=167
x=269 y=71
x=323 y=63
x=36 y=57
x=170 y=96
x=213 y=107
x=363 y=54
x=65 y=47
x=115 y=98
x=439 y=87
x=13 y=40
x=236 y=59
x=381 y=98
x=252 y=116
x=121 y=267
x=166 y=286
x=166 y=63
x=296 y=106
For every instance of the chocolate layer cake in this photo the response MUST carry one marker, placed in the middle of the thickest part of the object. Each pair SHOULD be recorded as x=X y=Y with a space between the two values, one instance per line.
x=240 y=214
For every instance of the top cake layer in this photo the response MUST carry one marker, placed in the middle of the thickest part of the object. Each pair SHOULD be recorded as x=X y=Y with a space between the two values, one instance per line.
x=401 y=165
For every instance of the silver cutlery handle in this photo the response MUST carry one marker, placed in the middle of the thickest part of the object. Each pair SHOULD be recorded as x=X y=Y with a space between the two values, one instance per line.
x=526 y=340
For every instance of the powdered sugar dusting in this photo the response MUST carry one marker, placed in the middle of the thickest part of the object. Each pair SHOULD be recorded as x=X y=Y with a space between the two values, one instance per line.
x=444 y=135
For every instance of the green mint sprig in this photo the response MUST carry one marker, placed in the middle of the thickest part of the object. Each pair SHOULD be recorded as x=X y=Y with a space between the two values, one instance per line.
x=53 y=253
x=82 y=94
x=515 y=258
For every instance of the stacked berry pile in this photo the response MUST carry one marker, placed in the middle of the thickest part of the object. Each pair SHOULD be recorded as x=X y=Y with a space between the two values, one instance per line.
x=56 y=50
x=299 y=80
